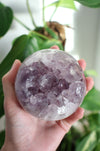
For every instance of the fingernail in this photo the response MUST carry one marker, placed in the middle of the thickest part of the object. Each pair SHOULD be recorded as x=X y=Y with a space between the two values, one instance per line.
x=55 y=47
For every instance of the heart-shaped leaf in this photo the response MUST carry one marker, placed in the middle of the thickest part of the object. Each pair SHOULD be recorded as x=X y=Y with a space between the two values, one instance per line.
x=64 y=3
x=6 y=17
x=90 y=3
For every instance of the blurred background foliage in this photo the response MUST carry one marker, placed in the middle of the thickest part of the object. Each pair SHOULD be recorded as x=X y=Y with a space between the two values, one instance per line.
x=85 y=135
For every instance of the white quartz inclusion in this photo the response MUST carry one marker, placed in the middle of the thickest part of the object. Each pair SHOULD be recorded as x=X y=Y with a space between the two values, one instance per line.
x=62 y=110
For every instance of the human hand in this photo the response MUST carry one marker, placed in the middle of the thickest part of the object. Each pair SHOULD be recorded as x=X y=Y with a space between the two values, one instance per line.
x=25 y=132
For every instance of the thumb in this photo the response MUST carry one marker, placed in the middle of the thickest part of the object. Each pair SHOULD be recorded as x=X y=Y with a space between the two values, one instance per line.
x=8 y=86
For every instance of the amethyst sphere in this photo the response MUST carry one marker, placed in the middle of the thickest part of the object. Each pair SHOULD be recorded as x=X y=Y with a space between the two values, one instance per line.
x=50 y=84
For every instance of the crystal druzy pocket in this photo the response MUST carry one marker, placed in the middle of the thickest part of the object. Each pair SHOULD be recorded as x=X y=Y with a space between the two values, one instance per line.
x=50 y=84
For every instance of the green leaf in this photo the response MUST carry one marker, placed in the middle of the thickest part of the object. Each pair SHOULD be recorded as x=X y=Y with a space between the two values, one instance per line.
x=34 y=44
x=92 y=100
x=50 y=43
x=51 y=32
x=1 y=5
x=98 y=146
x=22 y=48
x=94 y=121
x=15 y=53
x=91 y=73
x=90 y=3
x=88 y=143
x=6 y=17
x=1 y=100
x=46 y=43
x=64 y=3
x=2 y=137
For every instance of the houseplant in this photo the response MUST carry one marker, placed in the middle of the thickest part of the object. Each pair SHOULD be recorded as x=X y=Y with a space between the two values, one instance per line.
x=45 y=37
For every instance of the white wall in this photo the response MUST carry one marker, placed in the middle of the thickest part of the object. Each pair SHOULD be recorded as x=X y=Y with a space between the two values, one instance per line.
x=97 y=55
x=86 y=33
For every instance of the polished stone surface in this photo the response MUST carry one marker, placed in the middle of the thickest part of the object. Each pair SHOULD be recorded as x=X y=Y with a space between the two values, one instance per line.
x=50 y=84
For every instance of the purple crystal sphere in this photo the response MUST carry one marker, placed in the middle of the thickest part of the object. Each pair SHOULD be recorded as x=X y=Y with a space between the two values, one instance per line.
x=50 y=84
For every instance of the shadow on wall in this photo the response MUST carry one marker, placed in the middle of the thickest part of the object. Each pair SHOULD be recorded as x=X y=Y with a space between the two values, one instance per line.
x=86 y=30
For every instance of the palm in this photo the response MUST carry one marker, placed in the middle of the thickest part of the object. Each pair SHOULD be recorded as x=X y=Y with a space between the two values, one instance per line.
x=33 y=132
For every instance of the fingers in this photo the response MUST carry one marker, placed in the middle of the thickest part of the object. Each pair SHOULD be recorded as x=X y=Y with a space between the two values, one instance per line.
x=66 y=124
x=55 y=47
x=75 y=116
x=89 y=80
x=8 y=86
x=82 y=63
x=89 y=84
x=11 y=75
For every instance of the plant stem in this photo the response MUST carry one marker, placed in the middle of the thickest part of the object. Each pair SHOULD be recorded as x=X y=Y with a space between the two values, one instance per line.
x=21 y=23
x=53 y=13
x=43 y=13
x=30 y=13
x=38 y=34
x=42 y=36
